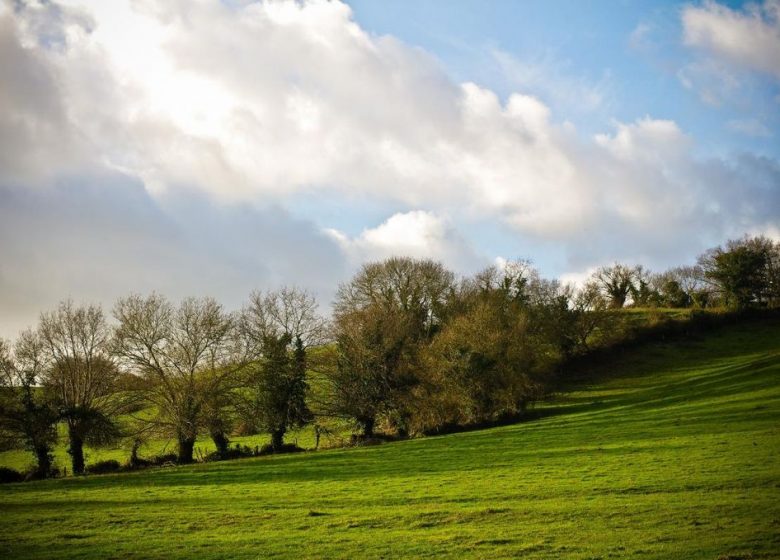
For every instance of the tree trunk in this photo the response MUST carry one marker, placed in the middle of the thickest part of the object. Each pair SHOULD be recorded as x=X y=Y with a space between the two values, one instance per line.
x=134 y=453
x=186 y=447
x=368 y=427
x=43 y=455
x=221 y=442
x=76 y=451
x=277 y=439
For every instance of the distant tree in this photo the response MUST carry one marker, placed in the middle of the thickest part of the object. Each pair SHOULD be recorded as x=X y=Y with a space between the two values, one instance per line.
x=508 y=332
x=483 y=362
x=80 y=373
x=280 y=389
x=28 y=416
x=281 y=327
x=590 y=308
x=744 y=272
x=672 y=294
x=617 y=282
x=641 y=287
x=382 y=318
x=692 y=282
x=188 y=353
x=554 y=320
x=218 y=412
x=371 y=378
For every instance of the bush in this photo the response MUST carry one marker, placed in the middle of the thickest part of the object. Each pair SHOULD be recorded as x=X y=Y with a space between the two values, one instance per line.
x=237 y=452
x=10 y=475
x=268 y=449
x=164 y=459
x=104 y=467
x=137 y=463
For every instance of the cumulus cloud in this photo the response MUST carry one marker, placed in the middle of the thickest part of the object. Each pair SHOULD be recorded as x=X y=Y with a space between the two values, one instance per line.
x=266 y=99
x=749 y=37
x=270 y=98
x=418 y=234
x=212 y=116
x=36 y=142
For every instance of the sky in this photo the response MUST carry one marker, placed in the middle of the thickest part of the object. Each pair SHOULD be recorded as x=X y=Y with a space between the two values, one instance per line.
x=199 y=147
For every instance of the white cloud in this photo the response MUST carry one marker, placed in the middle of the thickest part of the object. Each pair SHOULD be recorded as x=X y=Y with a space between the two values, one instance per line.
x=578 y=279
x=257 y=103
x=269 y=99
x=417 y=234
x=648 y=140
x=749 y=37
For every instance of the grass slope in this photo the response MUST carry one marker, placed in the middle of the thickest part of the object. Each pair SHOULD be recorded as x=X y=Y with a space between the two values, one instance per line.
x=672 y=454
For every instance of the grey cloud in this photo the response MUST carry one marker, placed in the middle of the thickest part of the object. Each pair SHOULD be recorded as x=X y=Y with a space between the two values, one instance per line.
x=94 y=239
x=35 y=136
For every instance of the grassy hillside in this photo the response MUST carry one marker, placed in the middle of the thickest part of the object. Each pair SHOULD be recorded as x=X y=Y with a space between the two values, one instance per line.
x=338 y=431
x=673 y=453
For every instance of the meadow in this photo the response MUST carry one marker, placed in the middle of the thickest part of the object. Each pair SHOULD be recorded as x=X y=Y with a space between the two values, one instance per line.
x=669 y=450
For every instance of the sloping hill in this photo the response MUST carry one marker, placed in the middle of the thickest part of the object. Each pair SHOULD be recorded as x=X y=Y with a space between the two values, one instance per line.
x=673 y=453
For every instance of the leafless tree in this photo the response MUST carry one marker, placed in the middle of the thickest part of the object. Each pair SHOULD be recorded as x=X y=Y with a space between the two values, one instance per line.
x=289 y=311
x=417 y=288
x=189 y=353
x=81 y=372
x=590 y=308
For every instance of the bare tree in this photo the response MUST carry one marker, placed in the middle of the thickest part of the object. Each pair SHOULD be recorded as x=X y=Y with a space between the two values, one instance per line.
x=189 y=353
x=591 y=309
x=81 y=374
x=290 y=311
x=683 y=286
x=419 y=289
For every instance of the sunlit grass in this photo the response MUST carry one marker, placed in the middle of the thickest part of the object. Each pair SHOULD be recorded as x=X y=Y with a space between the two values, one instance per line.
x=672 y=453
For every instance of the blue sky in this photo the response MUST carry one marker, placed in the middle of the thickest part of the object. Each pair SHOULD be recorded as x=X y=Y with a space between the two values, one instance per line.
x=631 y=51
x=212 y=147
x=629 y=55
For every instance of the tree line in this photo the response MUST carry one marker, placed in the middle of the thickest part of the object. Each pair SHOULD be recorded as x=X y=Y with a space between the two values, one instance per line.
x=409 y=349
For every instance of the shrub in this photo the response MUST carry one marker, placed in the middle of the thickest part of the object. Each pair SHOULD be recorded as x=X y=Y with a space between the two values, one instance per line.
x=137 y=463
x=236 y=452
x=268 y=449
x=164 y=459
x=104 y=467
x=10 y=475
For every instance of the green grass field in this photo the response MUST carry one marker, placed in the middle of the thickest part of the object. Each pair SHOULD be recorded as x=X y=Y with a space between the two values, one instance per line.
x=22 y=460
x=672 y=451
